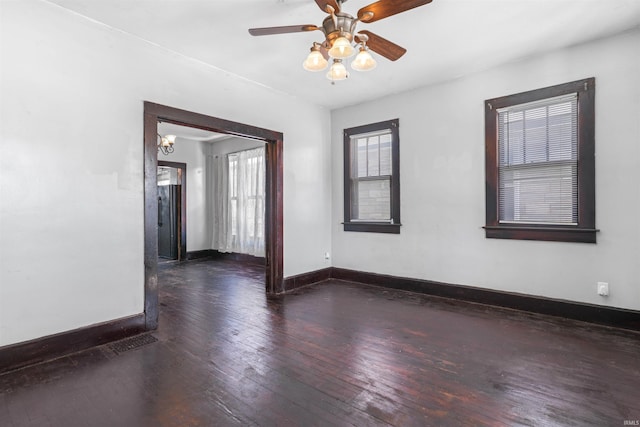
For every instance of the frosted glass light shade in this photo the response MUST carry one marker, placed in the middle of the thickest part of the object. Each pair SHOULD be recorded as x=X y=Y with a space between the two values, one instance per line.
x=315 y=61
x=363 y=61
x=168 y=140
x=341 y=48
x=337 y=71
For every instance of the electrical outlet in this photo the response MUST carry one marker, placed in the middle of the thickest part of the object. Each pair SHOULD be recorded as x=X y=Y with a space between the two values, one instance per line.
x=603 y=289
x=327 y=255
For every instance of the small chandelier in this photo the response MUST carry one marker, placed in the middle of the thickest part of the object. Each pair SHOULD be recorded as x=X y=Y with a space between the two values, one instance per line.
x=165 y=144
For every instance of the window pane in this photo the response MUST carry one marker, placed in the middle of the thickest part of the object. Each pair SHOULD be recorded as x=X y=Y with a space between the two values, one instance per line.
x=373 y=159
x=233 y=175
x=542 y=194
x=361 y=157
x=372 y=200
x=250 y=216
x=535 y=135
x=539 y=133
x=233 y=206
x=385 y=154
x=512 y=139
x=563 y=131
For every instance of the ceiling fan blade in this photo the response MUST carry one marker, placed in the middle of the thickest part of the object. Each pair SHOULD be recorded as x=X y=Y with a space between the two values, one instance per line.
x=267 y=31
x=324 y=3
x=385 y=8
x=382 y=46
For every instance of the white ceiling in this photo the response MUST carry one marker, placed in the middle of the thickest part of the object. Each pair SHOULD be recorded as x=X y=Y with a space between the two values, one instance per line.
x=191 y=133
x=445 y=39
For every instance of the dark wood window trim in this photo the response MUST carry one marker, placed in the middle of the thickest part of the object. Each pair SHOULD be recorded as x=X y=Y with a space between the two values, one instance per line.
x=585 y=230
x=372 y=226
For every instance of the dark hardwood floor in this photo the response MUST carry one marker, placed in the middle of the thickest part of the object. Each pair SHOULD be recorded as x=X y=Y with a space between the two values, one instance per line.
x=337 y=353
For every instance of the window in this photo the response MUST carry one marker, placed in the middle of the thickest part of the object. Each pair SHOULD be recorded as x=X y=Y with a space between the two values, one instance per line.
x=240 y=202
x=246 y=193
x=372 y=178
x=540 y=164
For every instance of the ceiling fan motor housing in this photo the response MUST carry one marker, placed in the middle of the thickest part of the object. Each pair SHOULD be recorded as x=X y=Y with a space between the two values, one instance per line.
x=343 y=24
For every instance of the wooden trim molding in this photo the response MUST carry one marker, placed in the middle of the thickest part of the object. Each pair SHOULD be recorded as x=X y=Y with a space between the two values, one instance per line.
x=592 y=313
x=26 y=353
x=349 y=157
x=231 y=256
x=585 y=230
x=305 y=279
x=274 y=241
x=205 y=253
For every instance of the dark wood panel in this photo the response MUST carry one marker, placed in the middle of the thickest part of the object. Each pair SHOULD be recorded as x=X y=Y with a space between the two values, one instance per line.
x=49 y=347
x=274 y=218
x=150 y=220
x=610 y=316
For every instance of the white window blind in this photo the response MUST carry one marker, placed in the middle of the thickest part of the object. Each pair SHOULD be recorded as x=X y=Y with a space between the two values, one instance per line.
x=538 y=167
x=371 y=177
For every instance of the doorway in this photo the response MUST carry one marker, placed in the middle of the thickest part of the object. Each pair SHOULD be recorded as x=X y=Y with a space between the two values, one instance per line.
x=154 y=113
x=172 y=218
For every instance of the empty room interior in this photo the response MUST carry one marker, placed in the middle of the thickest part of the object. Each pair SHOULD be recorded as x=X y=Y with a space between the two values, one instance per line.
x=316 y=213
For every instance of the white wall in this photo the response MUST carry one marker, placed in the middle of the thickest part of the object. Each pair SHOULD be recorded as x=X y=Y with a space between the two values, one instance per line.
x=71 y=168
x=442 y=183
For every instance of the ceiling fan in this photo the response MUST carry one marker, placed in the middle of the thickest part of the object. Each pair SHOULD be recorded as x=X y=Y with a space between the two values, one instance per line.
x=340 y=33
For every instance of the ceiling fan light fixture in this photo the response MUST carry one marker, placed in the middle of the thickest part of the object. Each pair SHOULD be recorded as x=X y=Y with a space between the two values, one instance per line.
x=341 y=48
x=363 y=61
x=337 y=71
x=315 y=61
x=341 y=41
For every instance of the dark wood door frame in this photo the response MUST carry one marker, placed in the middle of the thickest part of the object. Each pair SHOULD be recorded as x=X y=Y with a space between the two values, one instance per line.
x=182 y=209
x=153 y=113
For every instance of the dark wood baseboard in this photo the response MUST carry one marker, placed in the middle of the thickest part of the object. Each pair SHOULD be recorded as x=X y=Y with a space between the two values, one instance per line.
x=212 y=253
x=19 y=355
x=250 y=259
x=304 y=279
x=598 y=314
x=206 y=253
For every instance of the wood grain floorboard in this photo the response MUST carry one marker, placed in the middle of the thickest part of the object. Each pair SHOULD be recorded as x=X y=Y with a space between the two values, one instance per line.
x=333 y=354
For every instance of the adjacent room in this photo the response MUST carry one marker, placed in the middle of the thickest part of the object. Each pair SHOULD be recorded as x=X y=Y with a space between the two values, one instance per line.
x=319 y=212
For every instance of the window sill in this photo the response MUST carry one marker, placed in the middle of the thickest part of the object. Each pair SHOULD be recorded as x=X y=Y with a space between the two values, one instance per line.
x=545 y=233
x=372 y=227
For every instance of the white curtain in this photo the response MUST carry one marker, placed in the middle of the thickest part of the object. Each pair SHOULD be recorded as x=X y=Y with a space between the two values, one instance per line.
x=238 y=211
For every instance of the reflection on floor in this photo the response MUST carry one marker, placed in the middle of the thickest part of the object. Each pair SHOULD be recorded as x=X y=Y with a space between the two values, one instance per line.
x=337 y=353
